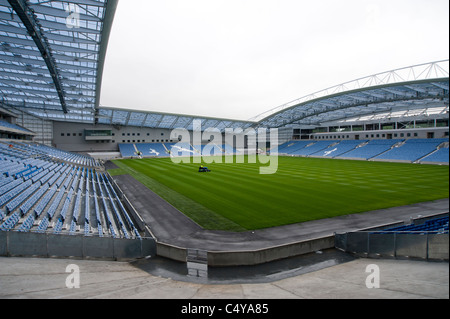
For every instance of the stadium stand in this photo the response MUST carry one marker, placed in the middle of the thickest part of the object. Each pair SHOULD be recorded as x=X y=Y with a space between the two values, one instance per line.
x=208 y=150
x=174 y=149
x=438 y=226
x=339 y=149
x=412 y=150
x=440 y=156
x=292 y=146
x=423 y=150
x=156 y=150
x=370 y=149
x=9 y=126
x=313 y=148
x=181 y=149
x=127 y=150
x=48 y=190
x=229 y=150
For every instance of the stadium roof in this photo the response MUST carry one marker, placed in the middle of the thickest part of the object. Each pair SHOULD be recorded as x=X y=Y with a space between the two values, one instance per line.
x=52 y=55
x=124 y=117
x=51 y=64
x=417 y=91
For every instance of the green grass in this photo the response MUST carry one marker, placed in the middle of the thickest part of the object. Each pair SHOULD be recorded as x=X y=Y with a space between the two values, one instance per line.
x=236 y=197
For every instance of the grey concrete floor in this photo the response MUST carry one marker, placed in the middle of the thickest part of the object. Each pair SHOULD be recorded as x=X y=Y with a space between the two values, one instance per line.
x=29 y=278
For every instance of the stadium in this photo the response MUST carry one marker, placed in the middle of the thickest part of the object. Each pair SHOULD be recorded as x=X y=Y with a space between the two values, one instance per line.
x=358 y=171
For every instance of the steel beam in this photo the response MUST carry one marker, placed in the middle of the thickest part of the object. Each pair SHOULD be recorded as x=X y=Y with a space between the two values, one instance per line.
x=34 y=30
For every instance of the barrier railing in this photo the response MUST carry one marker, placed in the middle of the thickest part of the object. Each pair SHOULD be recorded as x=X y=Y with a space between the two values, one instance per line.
x=423 y=245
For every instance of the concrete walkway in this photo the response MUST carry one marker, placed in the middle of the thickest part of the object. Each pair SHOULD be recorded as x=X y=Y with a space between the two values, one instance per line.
x=46 y=279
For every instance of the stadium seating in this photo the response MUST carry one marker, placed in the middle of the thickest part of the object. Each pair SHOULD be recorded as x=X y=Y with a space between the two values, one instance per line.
x=8 y=125
x=127 y=150
x=208 y=150
x=440 y=156
x=339 y=149
x=311 y=149
x=154 y=149
x=293 y=146
x=174 y=149
x=57 y=192
x=371 y=149
x=395 y=149
x=182 y=149
x=412 y=150
x=438 y=225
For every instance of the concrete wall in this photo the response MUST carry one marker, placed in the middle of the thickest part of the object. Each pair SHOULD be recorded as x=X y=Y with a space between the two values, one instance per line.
x=70 y=137
x=19 y=244
x=251 y=257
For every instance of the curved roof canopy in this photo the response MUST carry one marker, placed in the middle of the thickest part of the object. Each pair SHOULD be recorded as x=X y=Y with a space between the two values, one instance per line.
x=51 y=64
x=52 y=55
x=416 y=91
x=123 y=117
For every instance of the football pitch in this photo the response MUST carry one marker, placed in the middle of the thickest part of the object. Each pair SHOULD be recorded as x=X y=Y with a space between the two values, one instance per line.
x=235 y=197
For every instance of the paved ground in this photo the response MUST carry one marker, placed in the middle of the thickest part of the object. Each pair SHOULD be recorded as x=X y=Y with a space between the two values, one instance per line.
x=46 y=279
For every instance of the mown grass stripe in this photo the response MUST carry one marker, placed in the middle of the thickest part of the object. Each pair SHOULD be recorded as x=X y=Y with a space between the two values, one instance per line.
x=235 y=196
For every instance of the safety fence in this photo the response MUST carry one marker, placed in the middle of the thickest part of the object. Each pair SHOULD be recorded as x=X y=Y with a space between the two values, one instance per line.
x=422 y=245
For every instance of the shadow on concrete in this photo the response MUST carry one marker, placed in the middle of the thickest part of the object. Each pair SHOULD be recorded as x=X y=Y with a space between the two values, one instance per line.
x=264 y=273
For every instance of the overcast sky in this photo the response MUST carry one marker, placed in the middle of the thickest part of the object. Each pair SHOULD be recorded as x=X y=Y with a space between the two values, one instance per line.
x=239 y=58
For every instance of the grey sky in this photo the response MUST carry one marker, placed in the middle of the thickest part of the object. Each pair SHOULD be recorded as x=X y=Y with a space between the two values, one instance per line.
x=239 y=58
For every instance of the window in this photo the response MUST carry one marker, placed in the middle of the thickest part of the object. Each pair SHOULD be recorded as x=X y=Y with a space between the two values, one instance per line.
x=62 y=134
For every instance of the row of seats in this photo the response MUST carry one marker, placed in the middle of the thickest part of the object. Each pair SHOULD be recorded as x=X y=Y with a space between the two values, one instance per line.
x=173 y=149
x=8 y=125
x=412 y=150
x=59 y=196
x=438 y=225
x=24 y=150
